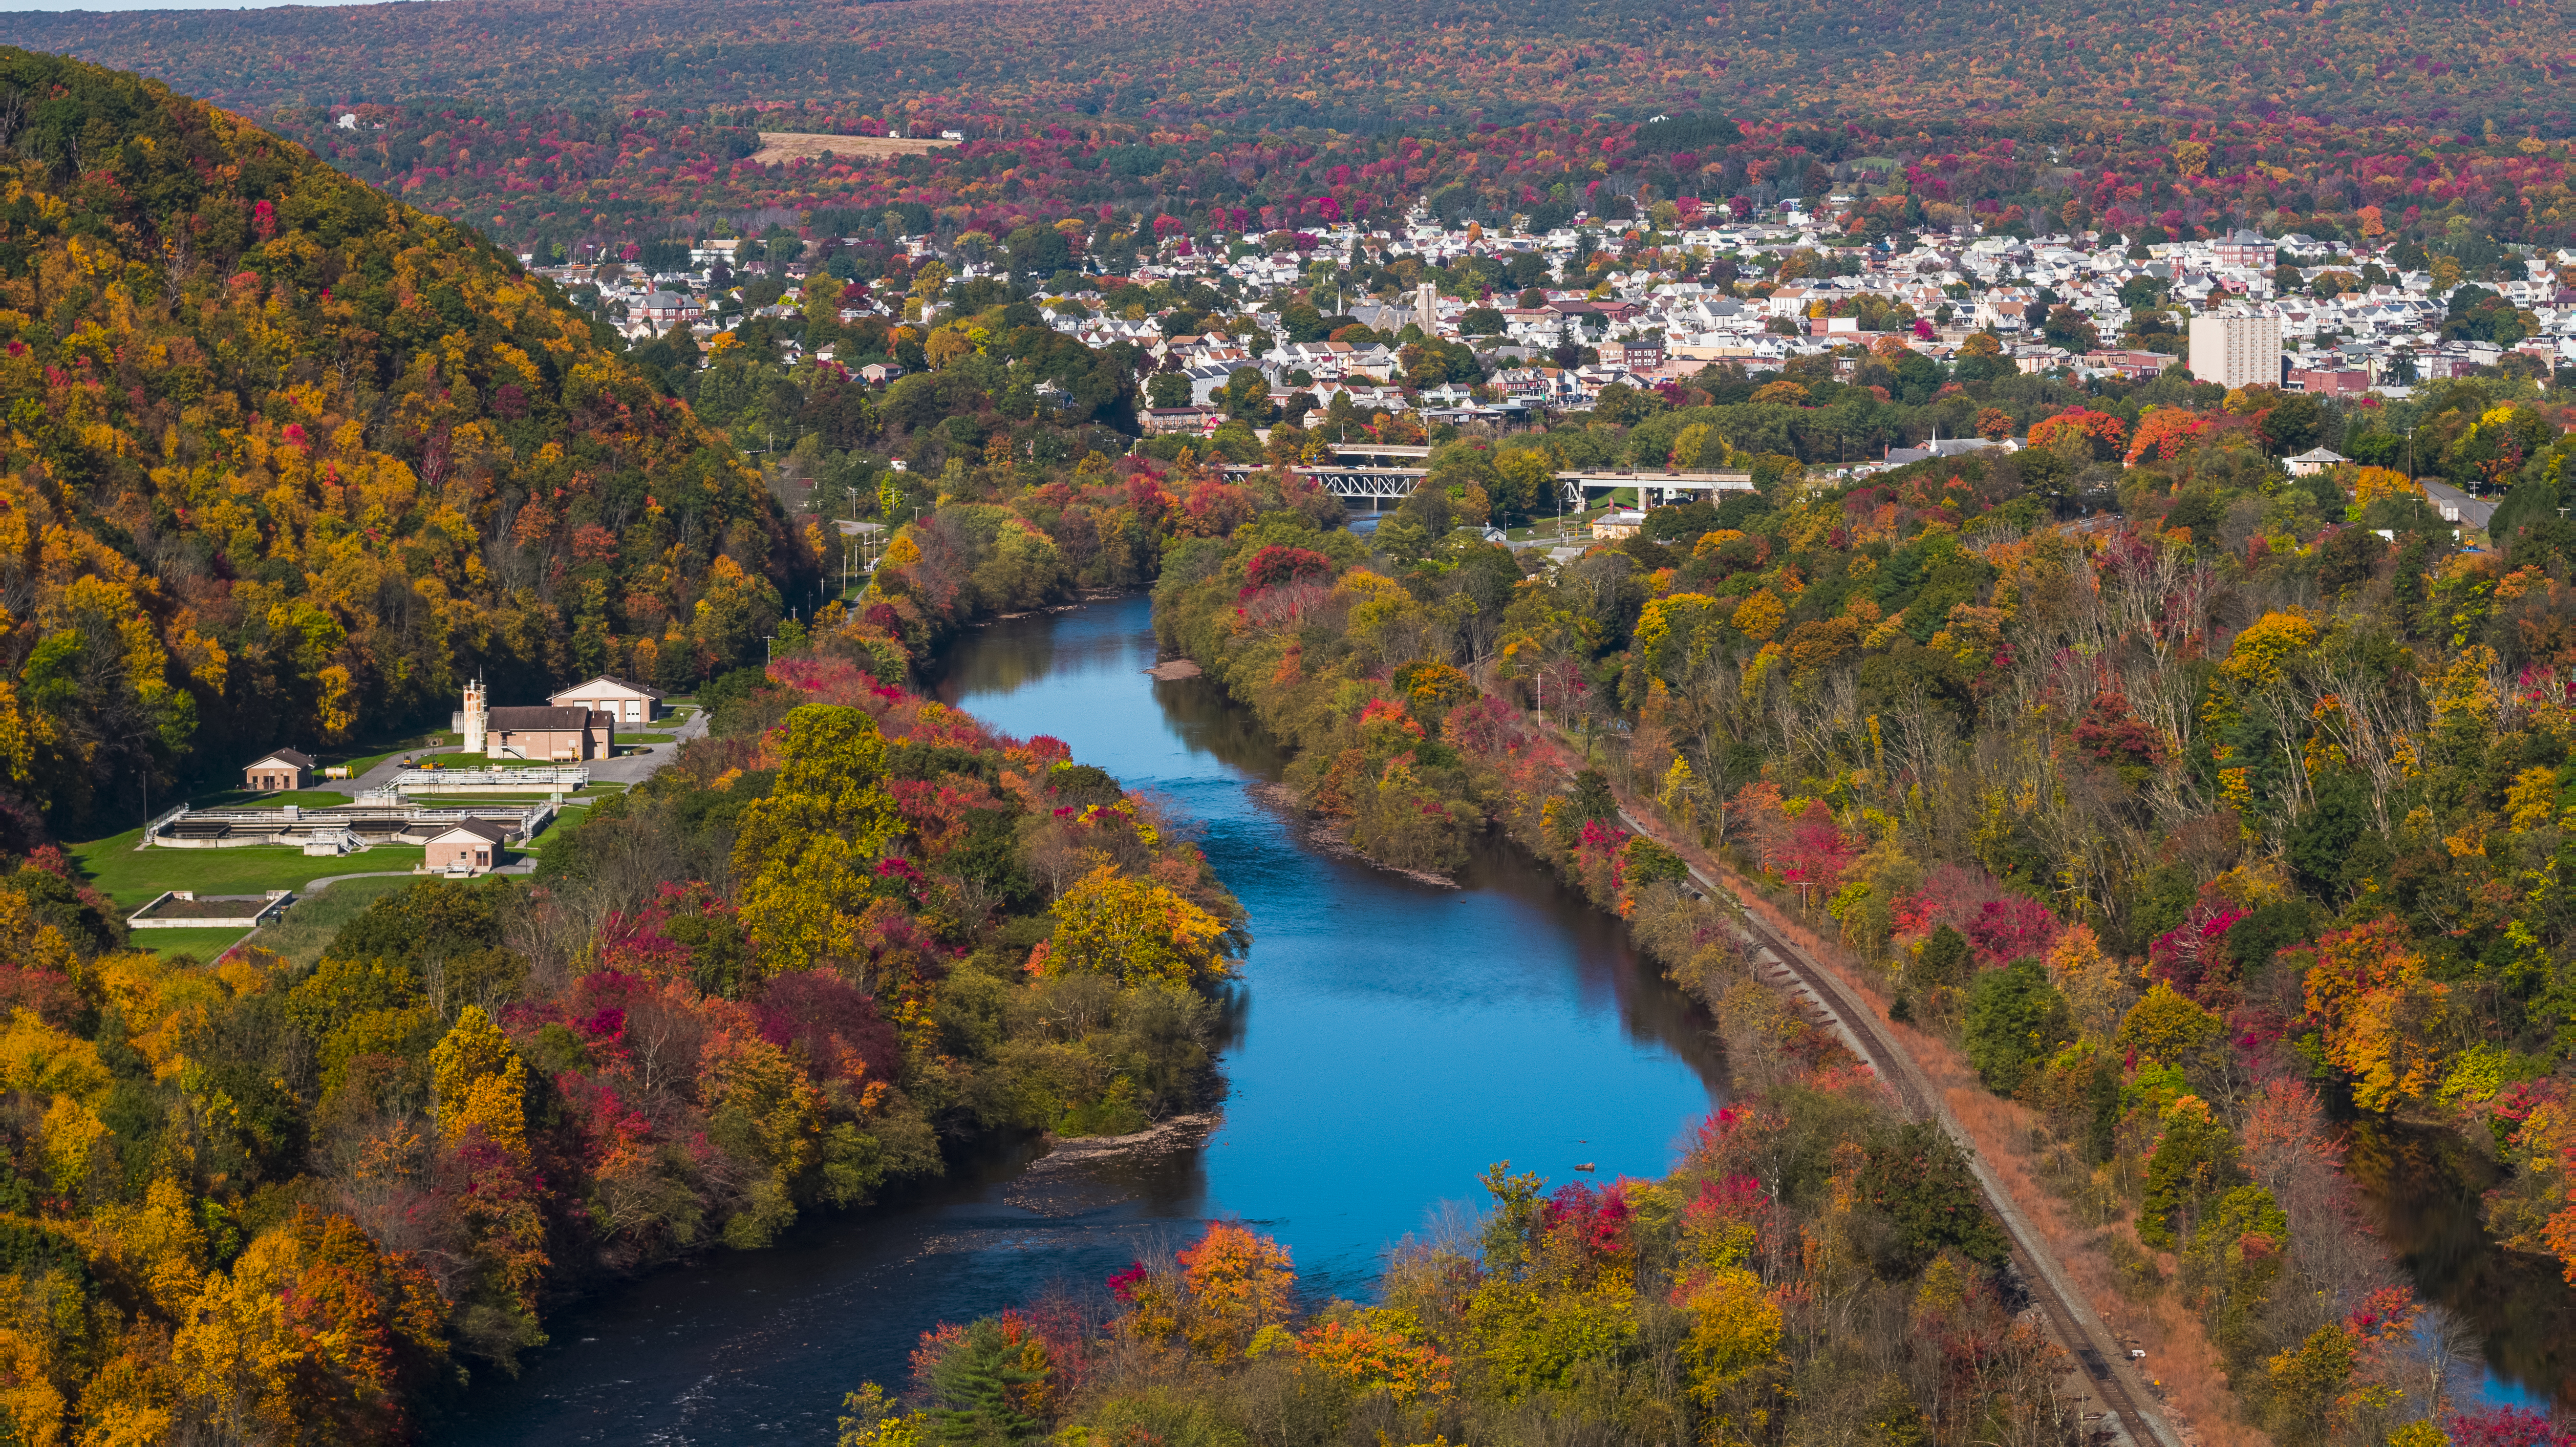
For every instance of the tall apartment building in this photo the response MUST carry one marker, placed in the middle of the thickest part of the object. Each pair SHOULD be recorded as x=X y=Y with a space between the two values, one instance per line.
x=2236 y=351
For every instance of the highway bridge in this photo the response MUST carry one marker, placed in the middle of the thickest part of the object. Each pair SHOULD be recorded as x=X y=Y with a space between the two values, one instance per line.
x=1378 y=474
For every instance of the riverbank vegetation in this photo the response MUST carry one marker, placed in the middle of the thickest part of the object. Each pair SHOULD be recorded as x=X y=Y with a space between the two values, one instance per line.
x=1812 y=1271
x=2184 y=829
x=303 y=1199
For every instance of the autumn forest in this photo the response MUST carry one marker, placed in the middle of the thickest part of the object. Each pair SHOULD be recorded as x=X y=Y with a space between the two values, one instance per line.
x=2195 y=822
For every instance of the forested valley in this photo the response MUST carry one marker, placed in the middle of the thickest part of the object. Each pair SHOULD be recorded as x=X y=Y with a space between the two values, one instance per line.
x=2189 y=801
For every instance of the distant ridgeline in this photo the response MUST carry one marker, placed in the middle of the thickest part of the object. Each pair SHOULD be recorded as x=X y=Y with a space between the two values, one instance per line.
x=1372 y=65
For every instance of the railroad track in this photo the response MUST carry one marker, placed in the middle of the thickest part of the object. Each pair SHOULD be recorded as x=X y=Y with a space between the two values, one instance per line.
x=2071 y=1318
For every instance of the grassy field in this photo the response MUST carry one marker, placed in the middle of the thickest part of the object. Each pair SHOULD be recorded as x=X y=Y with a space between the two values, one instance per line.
x=306 y=929
x=777 y=146
x=201 y=945
x=131 y=876
x=1577 y=525
x=645 y=738
x=360 y=763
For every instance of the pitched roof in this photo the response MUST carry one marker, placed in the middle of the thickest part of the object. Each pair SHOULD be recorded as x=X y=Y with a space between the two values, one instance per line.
x=611 y=678
x=295 y=757
x=539 y=717
x=483 y=829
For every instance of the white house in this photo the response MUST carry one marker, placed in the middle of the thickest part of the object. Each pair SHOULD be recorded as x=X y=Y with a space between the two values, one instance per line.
x=628 y=703
x=2313 y=461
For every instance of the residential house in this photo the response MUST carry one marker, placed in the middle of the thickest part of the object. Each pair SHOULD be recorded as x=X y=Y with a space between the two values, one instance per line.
x=1618 y=522
x=1180 y=421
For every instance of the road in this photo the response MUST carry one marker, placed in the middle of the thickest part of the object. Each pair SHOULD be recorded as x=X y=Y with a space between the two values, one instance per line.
x=2071 y=1318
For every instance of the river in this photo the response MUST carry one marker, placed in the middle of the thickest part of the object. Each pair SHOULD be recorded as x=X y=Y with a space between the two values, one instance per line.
x=1389 y=1040
x=2422 y=1189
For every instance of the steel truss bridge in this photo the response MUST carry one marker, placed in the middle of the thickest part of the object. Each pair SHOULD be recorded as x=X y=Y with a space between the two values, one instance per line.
x=1377 y=475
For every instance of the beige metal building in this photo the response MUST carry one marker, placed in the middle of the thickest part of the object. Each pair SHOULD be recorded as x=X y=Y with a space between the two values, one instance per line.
x=284 y=769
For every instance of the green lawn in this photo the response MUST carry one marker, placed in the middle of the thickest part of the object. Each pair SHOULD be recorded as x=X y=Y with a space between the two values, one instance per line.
x=131 y=876
x=307 y=927
x=249 y=799
x=1577 y=525
x=646 y=738
x=363 y=762
x=202 y=945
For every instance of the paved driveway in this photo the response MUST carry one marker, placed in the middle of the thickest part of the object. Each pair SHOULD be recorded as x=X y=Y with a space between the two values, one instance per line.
x=626 y=768
x=649 y=760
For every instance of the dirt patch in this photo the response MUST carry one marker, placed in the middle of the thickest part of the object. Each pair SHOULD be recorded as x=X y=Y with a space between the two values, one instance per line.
x=1080 y=1175
x=1180 y=1133
x=1177 y=668
x=777 y=146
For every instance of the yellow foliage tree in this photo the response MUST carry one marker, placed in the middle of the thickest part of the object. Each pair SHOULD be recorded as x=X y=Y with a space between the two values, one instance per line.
x=2091 y=980
x=1760 y=615
x=2259 y=655
x=2165 y=1025
x=1111 y=924
x=766 y=1109
x=2370 y=484
x=478 y=1080
x=1735 y=1329
x=41 y=1060
x=2381 y=1017
x=159 y=1246
x=806 y=852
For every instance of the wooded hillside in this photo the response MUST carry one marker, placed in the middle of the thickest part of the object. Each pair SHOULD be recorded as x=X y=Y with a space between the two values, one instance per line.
x=1364 y=66
x=286 y=461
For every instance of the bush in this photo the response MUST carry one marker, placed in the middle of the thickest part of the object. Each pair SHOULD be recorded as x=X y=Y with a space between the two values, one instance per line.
x=2016 y=1019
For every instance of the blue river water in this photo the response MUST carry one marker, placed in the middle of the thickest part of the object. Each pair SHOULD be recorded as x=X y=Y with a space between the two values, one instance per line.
x=1390 y=1039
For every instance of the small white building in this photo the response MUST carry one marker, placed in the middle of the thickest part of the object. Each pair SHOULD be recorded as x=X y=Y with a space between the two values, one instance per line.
x=628 y=703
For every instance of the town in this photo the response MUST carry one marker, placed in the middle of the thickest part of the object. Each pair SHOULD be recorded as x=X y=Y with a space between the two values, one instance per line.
x=1553 y=319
